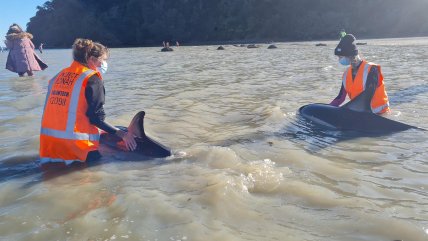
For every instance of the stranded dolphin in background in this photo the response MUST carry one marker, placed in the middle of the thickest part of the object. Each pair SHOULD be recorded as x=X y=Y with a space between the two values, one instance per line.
x=146 y=146
x=356 y=115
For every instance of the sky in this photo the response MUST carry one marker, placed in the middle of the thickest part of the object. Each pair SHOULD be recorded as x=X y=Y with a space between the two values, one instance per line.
x=16 y=11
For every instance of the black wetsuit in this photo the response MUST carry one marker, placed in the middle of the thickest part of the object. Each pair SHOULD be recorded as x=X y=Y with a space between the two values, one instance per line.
x=95 y=97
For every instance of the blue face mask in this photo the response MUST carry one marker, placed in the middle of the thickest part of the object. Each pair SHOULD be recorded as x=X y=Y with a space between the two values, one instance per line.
x=103 y=68
x=344 y=61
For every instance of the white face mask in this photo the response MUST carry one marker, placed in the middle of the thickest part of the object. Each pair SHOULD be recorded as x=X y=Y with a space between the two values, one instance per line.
x=103 y=68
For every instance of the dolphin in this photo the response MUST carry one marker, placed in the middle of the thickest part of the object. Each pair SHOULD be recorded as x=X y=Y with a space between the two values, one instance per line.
x=146 y=145
x=356 y=116
x=344 y=119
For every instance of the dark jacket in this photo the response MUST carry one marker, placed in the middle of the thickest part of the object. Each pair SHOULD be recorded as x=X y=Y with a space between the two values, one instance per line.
x=95 y=97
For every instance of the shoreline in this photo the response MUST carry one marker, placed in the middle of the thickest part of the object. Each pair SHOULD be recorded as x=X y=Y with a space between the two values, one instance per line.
x=246 y=42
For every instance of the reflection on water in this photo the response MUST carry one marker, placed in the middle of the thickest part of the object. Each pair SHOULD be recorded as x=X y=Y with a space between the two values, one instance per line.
x=253 y=170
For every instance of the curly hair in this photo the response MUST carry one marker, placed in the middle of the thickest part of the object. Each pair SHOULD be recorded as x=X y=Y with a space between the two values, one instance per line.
x=14 y=28
x=85 y=48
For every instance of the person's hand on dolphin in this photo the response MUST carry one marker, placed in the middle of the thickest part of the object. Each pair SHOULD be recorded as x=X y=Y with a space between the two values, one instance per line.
x=128 y=138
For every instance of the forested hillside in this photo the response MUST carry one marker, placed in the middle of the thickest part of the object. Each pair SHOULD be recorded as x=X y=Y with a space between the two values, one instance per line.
x=149 y=22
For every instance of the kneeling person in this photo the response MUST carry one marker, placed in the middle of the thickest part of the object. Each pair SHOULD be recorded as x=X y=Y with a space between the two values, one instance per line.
x=360 y=77
x=73 y=112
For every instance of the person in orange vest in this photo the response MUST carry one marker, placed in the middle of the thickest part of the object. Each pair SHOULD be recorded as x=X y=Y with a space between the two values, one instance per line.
x=361 y=76
x=73 y=111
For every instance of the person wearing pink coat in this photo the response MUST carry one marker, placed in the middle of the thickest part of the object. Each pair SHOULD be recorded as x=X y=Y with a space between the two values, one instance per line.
x=22 y=58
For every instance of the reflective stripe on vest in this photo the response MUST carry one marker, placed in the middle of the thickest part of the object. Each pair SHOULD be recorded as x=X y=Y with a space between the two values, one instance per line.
x=70 y=135
x=72 y=110
x=380 y=108
x=45 y=160
x=344 y=78
x=365 y=74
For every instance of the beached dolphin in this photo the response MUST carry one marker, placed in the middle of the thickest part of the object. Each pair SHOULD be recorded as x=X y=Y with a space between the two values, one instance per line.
x=356 y=115
x=145 y=145
x=344 y=119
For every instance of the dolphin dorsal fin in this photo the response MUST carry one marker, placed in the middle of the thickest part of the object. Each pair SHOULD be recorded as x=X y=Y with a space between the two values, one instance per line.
x=141 y=123
x=137 y=124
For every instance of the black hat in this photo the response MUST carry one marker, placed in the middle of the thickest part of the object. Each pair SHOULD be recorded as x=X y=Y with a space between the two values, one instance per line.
x=346 y=46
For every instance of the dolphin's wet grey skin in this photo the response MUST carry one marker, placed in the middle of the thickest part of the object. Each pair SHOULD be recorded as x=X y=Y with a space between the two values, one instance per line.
x=145 y=145
x=356 y=115
x=319 y=126
x=344 y=119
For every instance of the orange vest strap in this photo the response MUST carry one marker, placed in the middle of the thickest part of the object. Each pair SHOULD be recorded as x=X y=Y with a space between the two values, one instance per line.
x=71 y=121
x=344 y=77
x=380 y=108
x=365 y=74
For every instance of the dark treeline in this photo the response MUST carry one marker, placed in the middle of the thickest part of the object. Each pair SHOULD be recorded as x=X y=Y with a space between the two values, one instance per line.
x=149 y=22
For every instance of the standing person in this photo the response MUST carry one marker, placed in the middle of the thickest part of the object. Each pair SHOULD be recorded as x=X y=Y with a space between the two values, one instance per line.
x=361 y=76
x=41 y=48
x=22 y=58
x=74 y=110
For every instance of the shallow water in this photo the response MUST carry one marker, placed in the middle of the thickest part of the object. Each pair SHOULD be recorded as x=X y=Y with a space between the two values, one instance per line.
x=252 y=171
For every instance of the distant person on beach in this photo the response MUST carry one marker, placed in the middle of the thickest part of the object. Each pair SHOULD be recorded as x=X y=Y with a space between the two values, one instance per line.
x=41 y=48
x=166 y=47
x=361 y=76
x=177 y=44
x=74 y=109
x=22 y=58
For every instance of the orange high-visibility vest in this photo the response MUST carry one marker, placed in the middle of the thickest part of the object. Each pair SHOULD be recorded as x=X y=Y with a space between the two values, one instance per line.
x=66 y=134
x=354 y=87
